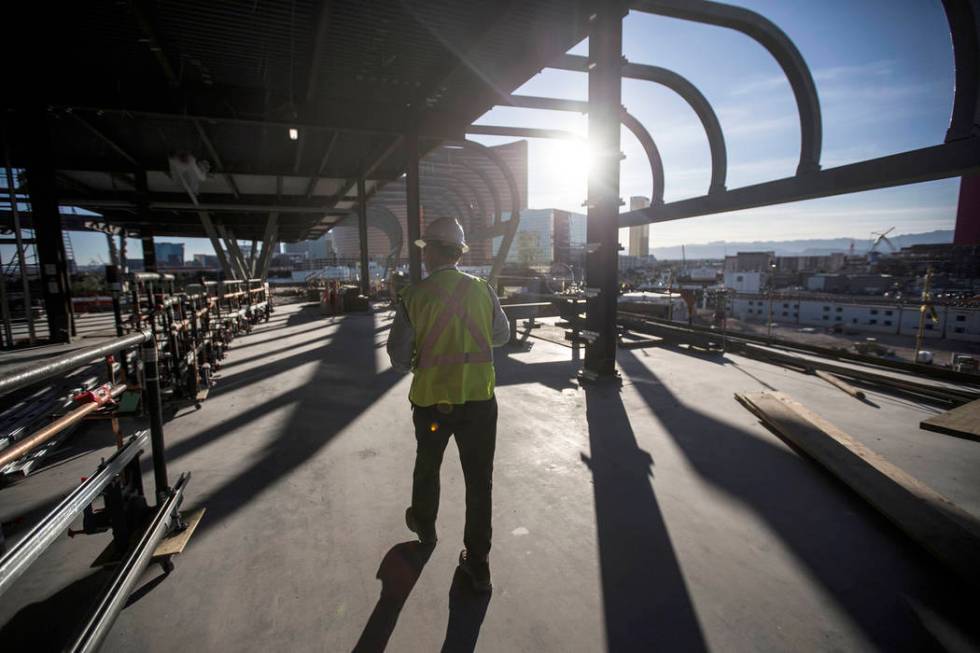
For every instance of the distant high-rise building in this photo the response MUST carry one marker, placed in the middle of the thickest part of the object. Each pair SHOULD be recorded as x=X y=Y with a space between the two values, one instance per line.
x=640 y=234
x=545 y=236
x=169 y=254
x=209 y=261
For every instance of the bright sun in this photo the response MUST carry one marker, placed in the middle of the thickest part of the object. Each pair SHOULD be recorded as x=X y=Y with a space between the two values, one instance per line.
x=568 y=160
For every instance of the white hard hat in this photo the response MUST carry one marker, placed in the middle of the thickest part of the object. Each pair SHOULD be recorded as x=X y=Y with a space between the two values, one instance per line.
x=444 y=230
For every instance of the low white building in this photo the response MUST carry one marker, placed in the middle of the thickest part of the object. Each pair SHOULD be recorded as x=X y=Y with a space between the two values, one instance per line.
x=745 y=282
x=954 y=322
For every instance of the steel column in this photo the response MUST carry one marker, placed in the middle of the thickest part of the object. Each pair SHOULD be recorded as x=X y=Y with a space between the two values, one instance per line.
x=412 y=206
x=146 y=234
x=216 y=244
x=47 y=231
x=362 y=235
x=5 y=308
x=602 y=229
x=21 y=257
x=154 y=409
x=268 y=238
x=149 y=250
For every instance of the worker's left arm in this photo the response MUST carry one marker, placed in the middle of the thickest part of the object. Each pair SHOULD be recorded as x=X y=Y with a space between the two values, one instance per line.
x=501 y=325
x=401 y=340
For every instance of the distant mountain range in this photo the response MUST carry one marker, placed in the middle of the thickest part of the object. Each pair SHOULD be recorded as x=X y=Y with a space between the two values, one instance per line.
x=810 y=247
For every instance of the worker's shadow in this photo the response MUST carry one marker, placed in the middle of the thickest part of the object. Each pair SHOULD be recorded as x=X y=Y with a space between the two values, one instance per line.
x=467 y=608
x=399 y=571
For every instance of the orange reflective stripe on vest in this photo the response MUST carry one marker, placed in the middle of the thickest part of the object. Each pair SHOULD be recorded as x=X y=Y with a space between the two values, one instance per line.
x=453 y=307
x=452 y=314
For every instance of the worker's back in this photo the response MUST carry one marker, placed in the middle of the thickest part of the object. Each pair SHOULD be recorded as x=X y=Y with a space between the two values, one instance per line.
x=452 y=314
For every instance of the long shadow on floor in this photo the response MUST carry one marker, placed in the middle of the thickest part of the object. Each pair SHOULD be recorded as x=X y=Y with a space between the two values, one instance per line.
x=467 y=609
x=645 y=598
x=51 y=624
x=344 y=383
x=399 y=571
x=863 y=563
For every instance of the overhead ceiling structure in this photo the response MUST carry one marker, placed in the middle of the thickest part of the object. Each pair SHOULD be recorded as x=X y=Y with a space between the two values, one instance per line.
x=284 y=103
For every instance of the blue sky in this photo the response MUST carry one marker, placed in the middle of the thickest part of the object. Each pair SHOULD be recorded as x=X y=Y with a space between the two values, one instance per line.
x=884 y=74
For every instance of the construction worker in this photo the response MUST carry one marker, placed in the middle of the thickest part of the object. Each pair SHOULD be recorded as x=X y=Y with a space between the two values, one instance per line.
x=443 y=331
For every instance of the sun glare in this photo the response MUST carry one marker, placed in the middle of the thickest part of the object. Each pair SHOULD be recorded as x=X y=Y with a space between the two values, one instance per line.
x=569 y=160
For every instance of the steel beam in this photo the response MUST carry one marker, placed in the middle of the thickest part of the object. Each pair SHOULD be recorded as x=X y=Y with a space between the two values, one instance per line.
x=105 y=139
x=412 y=206
x=362 y=236
x=628 y=120
x=773 y=39
x=43 y=189
x=522 y=132
x=602 y=230
x=953 y=159
x=688 y=92
x=216 y=244
x=234 y=253
x=219 y=164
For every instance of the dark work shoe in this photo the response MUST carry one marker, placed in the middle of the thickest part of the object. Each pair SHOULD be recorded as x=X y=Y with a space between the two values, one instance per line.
x=426 y=535
x=478 y=571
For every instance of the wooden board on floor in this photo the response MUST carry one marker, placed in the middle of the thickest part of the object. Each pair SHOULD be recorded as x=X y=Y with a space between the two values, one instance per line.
x=175 y=543
x=962 y=422
x=171 y=545
x=951 y=534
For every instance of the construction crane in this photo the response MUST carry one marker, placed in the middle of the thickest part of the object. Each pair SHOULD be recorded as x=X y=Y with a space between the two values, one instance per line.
x=878 y=237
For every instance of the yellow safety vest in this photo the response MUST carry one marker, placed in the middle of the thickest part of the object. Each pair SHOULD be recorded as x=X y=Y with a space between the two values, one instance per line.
x=452 y=314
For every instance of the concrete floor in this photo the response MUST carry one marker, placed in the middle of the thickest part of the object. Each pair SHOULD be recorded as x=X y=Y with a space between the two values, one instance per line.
x=662 y=515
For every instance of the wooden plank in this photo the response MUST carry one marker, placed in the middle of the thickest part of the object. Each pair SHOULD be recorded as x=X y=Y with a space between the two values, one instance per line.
x=177 y=542
x=839 y=384
x=962 y=422
x=951 y=534
x=170 y=545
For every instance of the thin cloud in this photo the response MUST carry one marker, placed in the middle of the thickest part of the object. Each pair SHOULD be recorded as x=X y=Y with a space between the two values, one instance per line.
x=872 y=69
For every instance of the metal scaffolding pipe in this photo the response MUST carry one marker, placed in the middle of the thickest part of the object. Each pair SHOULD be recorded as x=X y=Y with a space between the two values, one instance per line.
x=36 y=439
x=53 y=525
x=26 y=375
x=129 y=572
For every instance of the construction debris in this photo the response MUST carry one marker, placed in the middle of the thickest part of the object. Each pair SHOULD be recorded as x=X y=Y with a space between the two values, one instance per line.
x=839 y=383
x=963 y=422
x=951 y=534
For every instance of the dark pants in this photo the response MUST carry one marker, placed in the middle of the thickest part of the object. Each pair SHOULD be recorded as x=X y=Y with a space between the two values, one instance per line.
x=475 y=426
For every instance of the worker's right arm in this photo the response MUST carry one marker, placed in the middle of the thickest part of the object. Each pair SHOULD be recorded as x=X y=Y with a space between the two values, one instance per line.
x=401 y=340
x=501 y=325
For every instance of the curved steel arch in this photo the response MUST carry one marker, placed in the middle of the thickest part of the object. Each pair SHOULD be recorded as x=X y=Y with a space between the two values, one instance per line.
x=509 y=227
x=491 y=188
x=445 y=170
x=773 y=39
x=964 y=26
x=629 y=121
